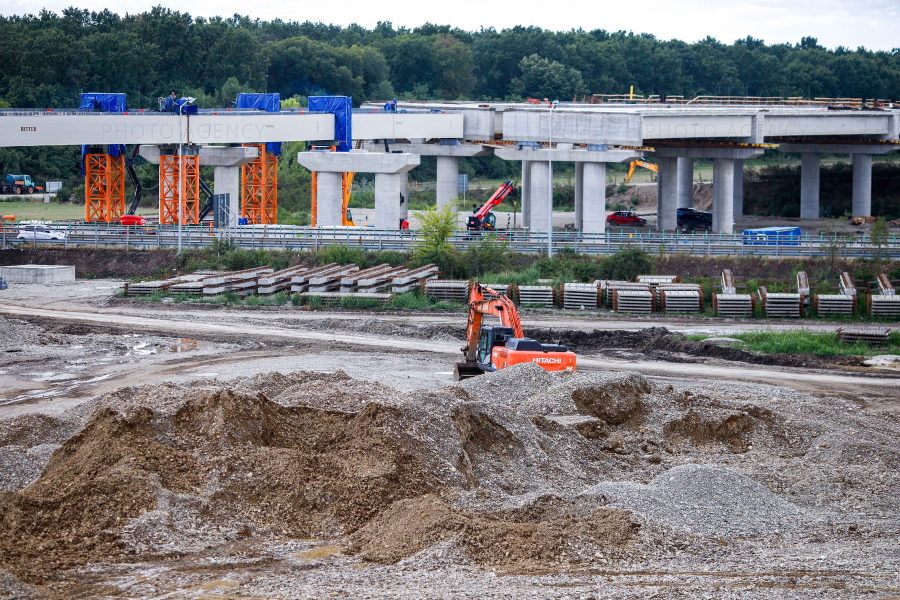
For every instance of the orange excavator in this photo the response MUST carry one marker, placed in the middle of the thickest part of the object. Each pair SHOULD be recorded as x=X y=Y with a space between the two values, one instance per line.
x=489 y=348
x=640 y=163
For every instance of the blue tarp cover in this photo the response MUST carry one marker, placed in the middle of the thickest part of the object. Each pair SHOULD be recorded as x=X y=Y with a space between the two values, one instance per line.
x=342 y=109
x=103 y=102
x=266 y=102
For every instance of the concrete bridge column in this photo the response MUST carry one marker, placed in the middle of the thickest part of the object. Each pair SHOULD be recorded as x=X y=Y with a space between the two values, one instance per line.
x=666 y=194
x=809 y=185
x=227 y=180
x=862 y=185
x=579 y=195
x=593 y=197
x=526 y=194
x=447 y=181
x=389 y=187
x=329 y=199
x=539 y=202
x=738 y=193
x=723 y=195
x=685 y=182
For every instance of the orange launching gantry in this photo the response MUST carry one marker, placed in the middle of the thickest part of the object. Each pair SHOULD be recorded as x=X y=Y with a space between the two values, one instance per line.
x=489 y=348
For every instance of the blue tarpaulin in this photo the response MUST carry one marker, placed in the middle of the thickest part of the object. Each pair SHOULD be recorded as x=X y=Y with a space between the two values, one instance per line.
x=103 y=103
x=266 y=102
x=342 y=109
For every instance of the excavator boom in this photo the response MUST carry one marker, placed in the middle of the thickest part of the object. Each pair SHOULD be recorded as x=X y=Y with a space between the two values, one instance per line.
x=640 y=163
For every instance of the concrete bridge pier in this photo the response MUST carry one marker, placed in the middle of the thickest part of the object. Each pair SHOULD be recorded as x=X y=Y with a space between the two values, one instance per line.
x=860 y=158
x=579 y=196
x=666 y=193
x=723 y=195
x=738 y=194
x=590 y=183
x=810 y=163
x=685 y=182
x=862 y=185
x=727 y=167
x=526 y=194
x=447 y=186
x=391 y=185
x=226 y=162
x=594 y=197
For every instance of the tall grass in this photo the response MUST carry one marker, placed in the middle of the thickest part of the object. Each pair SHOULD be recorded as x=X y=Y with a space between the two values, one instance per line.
x=808 y=342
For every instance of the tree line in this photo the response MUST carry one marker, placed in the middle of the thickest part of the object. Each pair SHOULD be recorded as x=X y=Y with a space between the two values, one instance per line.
x=50 y=58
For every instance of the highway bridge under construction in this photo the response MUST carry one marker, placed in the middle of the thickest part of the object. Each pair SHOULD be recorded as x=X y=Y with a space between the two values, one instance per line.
x=387 y=140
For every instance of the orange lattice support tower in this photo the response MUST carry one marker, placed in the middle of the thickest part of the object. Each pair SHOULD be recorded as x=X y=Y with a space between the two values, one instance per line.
x=104 y=183
x=170 y=181
x=259 y=191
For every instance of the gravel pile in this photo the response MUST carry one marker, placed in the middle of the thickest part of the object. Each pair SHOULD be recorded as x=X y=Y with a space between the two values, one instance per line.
x=704 y=499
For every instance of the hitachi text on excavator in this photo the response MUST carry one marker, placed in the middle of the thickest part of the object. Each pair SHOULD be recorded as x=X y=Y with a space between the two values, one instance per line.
x=489 y=348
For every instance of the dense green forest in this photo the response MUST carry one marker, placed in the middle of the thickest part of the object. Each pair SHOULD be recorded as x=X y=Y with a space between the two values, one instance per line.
x=49 y=59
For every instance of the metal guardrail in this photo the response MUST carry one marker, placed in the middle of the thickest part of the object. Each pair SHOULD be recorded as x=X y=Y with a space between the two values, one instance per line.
x=287 y=237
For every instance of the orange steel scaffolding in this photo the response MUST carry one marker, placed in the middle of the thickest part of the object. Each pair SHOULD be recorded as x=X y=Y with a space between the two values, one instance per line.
x=169 y=183
x=104 y=183
x=259 y=189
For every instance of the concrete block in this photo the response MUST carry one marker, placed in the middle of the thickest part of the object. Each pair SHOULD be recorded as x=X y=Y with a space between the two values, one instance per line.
x=41 y=274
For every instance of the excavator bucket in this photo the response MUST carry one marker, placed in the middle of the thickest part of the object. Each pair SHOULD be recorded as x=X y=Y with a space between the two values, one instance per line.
x=466 y=370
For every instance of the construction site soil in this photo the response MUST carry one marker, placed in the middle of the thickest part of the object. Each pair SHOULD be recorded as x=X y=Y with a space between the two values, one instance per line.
x=519 y=483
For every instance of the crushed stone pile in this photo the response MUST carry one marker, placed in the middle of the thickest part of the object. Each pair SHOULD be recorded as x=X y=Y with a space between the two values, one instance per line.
x=492 y=470
x=704 y=499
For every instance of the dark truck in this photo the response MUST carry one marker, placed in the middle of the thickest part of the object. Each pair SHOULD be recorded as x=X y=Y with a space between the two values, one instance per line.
x=690 y=219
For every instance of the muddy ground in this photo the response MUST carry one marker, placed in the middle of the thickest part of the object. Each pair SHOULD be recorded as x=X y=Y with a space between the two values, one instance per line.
x=186 y=453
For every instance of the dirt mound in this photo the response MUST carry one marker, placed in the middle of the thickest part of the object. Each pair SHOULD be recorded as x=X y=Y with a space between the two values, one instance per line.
x=732 y=428
x=615 y=402
x=228 y=463
x=410 y=526
x=587 y=341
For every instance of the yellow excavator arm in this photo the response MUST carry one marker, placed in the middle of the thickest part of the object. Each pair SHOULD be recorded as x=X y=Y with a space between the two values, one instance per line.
x=639 y=163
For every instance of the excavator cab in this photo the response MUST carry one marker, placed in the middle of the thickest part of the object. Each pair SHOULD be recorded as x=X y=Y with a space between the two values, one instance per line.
x=488 y=337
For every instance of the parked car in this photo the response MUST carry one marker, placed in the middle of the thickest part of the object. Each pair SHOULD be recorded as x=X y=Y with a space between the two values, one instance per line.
x=41 y=233
x=690 y=219
x=625 y=217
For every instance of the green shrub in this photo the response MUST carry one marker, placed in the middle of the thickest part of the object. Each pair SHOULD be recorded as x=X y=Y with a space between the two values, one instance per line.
x=280 y=298
x=623 y=187
x=344 y=255
x=314 y=301
x=626 y=264
x=357 y=302
x=296 y=299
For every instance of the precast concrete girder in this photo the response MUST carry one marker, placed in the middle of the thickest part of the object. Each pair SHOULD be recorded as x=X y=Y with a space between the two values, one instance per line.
x=733 y=153
x=557 y=155
x=572 y=126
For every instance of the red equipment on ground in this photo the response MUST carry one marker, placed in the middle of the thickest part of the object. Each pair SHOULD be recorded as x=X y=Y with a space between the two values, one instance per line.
x=483 y=219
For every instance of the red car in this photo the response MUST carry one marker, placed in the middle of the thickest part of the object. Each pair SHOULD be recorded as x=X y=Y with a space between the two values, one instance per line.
x=625 y=217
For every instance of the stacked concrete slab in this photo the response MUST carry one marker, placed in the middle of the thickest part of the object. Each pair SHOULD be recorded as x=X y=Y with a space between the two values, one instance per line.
x=40 y=274
x=780 y=304
x=581 y=296
x=826 y=305
x=632 y=301
x=868 y=335
x=729 y=303
x=536 y=295
x=450 y=290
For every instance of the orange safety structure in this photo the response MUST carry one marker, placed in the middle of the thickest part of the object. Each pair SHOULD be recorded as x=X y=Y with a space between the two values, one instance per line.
x=170 y=180
x=104 y=183
x=259 y=189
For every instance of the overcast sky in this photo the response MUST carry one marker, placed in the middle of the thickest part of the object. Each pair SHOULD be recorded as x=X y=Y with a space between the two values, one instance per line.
x=874 y=24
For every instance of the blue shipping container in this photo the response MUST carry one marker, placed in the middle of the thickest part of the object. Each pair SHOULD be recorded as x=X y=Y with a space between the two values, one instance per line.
x=772 y=236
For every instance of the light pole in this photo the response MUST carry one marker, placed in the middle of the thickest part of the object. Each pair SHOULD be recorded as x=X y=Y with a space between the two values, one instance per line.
x=550 y=184
x=181 y=171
